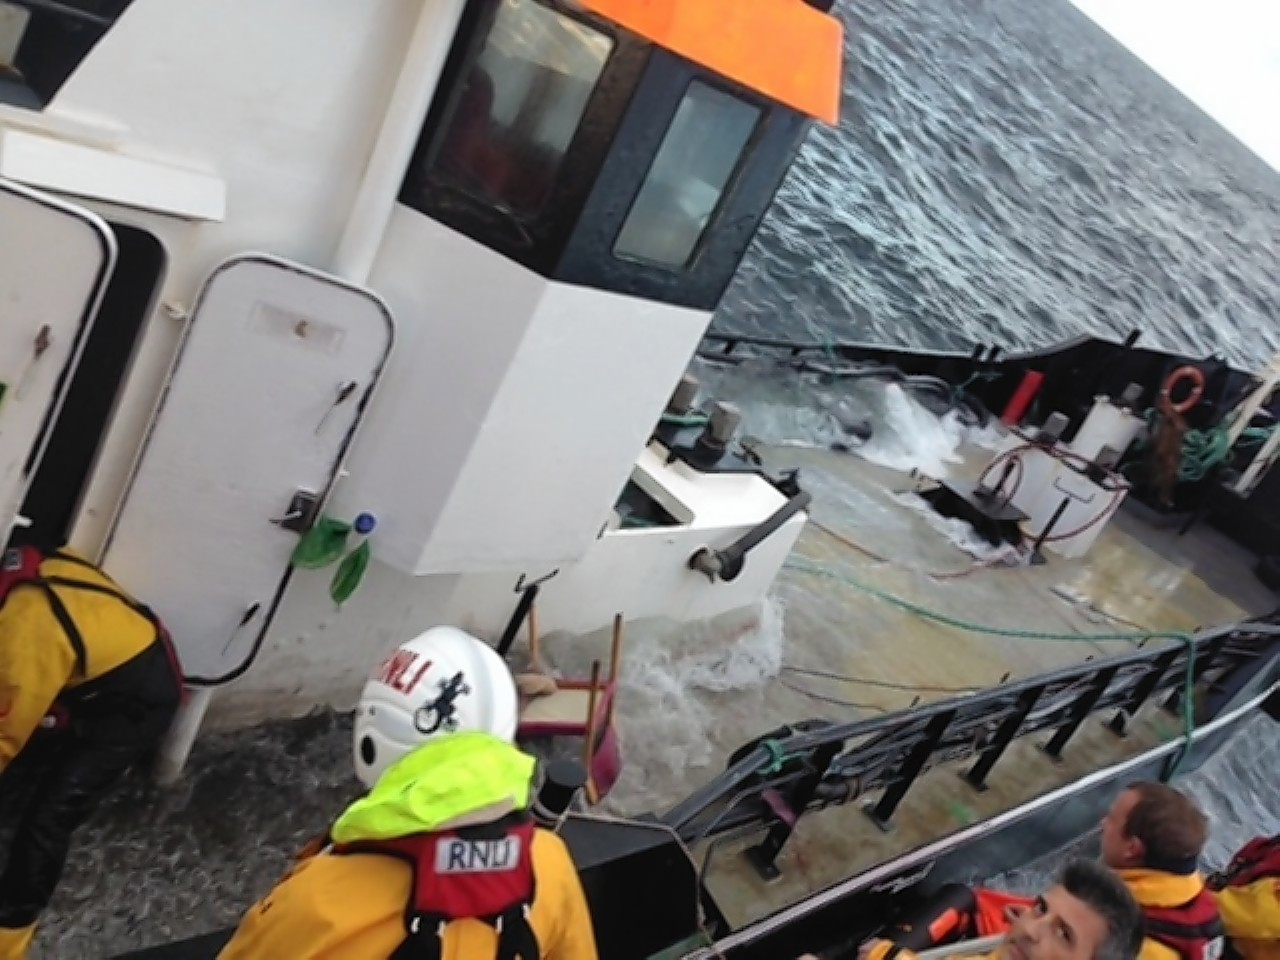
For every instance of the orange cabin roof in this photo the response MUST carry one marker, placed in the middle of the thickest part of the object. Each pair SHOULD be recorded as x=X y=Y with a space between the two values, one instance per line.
x=785 y=49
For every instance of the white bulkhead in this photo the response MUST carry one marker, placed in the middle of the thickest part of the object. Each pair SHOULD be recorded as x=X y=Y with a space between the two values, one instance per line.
x=440 y=262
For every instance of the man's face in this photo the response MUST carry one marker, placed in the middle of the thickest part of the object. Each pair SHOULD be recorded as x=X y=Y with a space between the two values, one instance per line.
x=1057 y=927
x=1118 y=848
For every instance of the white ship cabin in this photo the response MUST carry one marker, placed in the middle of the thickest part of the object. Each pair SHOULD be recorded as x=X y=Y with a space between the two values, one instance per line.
x=439 y=262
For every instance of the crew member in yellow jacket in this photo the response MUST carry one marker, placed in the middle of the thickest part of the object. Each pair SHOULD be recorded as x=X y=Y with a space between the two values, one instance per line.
x=1088 y=914
x=1152 y=836
x=1248 y=896
x=441 y=859
x=90 y=672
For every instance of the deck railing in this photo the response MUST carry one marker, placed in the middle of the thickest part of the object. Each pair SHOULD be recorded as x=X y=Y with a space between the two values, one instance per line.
x=773 y=781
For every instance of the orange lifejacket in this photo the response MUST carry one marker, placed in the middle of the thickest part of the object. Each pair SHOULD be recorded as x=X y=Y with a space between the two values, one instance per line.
x=956 y=912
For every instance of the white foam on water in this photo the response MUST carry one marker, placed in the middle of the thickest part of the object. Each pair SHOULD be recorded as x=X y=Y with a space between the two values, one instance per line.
x=802 y=410
x=993 y=435
x=789 y=411
x=667 y=705
x=962 y=535
x=673 y=681
x=908 y=436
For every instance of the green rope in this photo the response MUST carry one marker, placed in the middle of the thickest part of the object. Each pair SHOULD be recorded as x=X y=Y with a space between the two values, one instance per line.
x=1187 y=639
x=777 y=757
x=978 y=376
x=1203 y=450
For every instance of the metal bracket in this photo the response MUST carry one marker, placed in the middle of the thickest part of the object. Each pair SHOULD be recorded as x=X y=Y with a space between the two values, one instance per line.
x=301 y=513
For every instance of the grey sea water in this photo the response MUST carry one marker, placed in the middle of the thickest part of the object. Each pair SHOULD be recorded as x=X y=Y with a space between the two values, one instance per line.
x=1003 y=172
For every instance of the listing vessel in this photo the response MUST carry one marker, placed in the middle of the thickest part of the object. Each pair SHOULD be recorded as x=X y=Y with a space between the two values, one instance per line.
x=327 y=323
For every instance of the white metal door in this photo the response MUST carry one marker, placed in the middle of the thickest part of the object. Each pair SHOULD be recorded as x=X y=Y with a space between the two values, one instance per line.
x=55 y=261
x=264 y=400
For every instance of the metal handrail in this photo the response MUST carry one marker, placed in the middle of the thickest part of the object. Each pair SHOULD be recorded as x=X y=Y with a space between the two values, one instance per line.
x=840 y=762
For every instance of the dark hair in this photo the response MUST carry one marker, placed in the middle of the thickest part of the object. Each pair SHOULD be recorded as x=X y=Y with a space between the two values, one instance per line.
x=1171 y=827
x=1106 y=893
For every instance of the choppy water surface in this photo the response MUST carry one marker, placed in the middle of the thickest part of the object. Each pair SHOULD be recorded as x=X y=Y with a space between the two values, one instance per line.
x=1003 y=172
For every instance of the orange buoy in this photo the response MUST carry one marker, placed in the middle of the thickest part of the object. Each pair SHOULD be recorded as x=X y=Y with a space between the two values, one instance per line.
x=1187 y=372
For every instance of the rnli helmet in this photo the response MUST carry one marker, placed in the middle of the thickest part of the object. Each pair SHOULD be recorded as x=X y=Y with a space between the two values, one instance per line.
x=442 y=681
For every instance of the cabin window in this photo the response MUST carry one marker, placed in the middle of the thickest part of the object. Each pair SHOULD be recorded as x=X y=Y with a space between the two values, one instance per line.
x=688 y=178
x=690 y=172
x=594 y=157
x=518 y=107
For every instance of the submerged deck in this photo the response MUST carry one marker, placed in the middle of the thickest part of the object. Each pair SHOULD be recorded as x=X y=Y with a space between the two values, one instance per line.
x=884 y=658
x=194 y=857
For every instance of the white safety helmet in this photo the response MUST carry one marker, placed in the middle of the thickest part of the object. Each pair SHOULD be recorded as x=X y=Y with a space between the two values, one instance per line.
x=442 y=681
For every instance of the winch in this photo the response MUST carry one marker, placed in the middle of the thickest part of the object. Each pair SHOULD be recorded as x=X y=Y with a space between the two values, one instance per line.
x=1062 y=494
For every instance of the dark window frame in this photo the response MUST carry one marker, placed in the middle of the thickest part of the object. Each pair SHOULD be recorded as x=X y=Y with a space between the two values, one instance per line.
x=535 y=242
x=764 y=163
x=720 y=85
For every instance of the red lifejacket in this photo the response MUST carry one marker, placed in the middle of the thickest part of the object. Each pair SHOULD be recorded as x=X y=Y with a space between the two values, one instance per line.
x=1194 y=929
x=1258 y=858
x=483 y=873
x=20 y=567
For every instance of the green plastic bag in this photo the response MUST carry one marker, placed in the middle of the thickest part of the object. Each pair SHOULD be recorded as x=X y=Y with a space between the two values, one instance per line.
x=322 y=544
x=349 y=573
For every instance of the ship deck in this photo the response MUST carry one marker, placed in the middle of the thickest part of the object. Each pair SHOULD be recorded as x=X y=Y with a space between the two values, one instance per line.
x=195 y=856
x=1139 y=575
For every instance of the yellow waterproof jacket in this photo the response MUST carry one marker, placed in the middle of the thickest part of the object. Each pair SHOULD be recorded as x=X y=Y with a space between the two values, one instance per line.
x=352 y=906
x=37 y=659
x=1251 y=915
x=1156 y=889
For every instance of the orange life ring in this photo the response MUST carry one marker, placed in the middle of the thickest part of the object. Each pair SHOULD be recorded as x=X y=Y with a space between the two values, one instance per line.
x=1196 y=377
